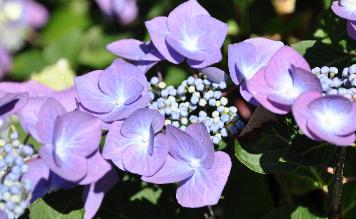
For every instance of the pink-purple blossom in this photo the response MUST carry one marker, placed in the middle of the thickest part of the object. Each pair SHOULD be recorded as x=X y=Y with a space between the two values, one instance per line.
x=201 y=172
x=114 y=93
x=189 y=32
x=247 y=58
x=286 y=76
x=329 y=118
x=133 y=144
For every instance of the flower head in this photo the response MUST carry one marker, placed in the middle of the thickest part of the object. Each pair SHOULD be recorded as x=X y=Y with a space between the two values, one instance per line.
x=328 y=118
x=113 y=94
x=189 y=32
x=133 y=146
x=286 y=76
x=201 y=172
x=68 y=139
x=247 y=58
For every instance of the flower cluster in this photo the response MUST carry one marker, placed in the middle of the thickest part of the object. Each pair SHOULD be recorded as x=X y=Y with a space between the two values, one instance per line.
x=347 y=10
x=286 y=83
x=16 y=18
x=338 y=83
x=197 y=99
x=15 y=192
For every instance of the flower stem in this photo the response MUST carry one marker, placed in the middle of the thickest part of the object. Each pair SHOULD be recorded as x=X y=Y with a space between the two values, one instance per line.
x=335 y=189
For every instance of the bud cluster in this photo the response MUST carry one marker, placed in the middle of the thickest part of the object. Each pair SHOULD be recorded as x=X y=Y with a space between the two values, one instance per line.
x=196 y=99
x=337 y=83
x=15 y=193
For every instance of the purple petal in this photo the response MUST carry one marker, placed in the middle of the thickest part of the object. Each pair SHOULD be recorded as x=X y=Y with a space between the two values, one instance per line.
x=34 y=88
x=184 y=12
x=28 y=116
x=47 y=116
x=93 y=195
x=206 y=185
x=141 y=121
x=144 y=66
x=132 y=91
x=68 y=98
x=211 y=52
x=247 y=95
x=301 y=112
x=38 y=173
x=188 y=53
x=97 y=168
x=77 y=132
x=182 y=146
x=3 y=215
x=260 y=90
x=35 y=15
x=305 y=81
x=134 y=50
x=333 y=114
x=347 y=12
x=351 y=29
x=11 y=103
x=172 y=171
x=68 y=166
x=277 y=72
x=90 y=95
x=214 y=74
x=201 y=135
x=140 y=161
x=105 y=6
x=126 y=11
x=158 y=29
x=115 y=144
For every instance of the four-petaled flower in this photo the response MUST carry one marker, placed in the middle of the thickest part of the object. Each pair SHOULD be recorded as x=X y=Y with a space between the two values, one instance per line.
x=347 y=10
x=115 y=93
x=247 y=58
x=133 y=146
x=328 y=118
x=188 y=32
x=286 y=76
x=201 y=172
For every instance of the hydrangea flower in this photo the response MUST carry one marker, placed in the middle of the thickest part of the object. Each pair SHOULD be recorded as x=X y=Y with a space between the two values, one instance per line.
x=347 y=10
x=11 y=103
x=189 y=32
x=329 y=118
x=113 y=94
x=201 y=172
x=133 y=146
x=247 y=58
x=286 y=76
x=68 y=139
x=125 y=11
x=141 y=54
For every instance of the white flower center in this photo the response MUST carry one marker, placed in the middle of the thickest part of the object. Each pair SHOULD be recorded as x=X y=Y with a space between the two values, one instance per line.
x=194 y=163
x=145 y=138
x=329 y=120
x=191 y=44
x=120 y=101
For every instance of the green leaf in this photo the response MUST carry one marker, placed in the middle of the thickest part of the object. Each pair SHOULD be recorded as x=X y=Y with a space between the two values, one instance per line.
x=27 y=63
x=94 y=53
x=71 y=16
x=263 y=152
x=41 y=210
x=306 y=152
x=66 y=47
x=150 y=194
x=292 y=212
x=175 y=76
x=303 y=46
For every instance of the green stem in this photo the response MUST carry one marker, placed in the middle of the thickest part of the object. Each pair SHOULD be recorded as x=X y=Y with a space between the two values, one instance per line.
x=335 y=189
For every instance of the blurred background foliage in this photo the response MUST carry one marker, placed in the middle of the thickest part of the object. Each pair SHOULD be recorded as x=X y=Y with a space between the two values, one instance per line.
x=79 y=32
